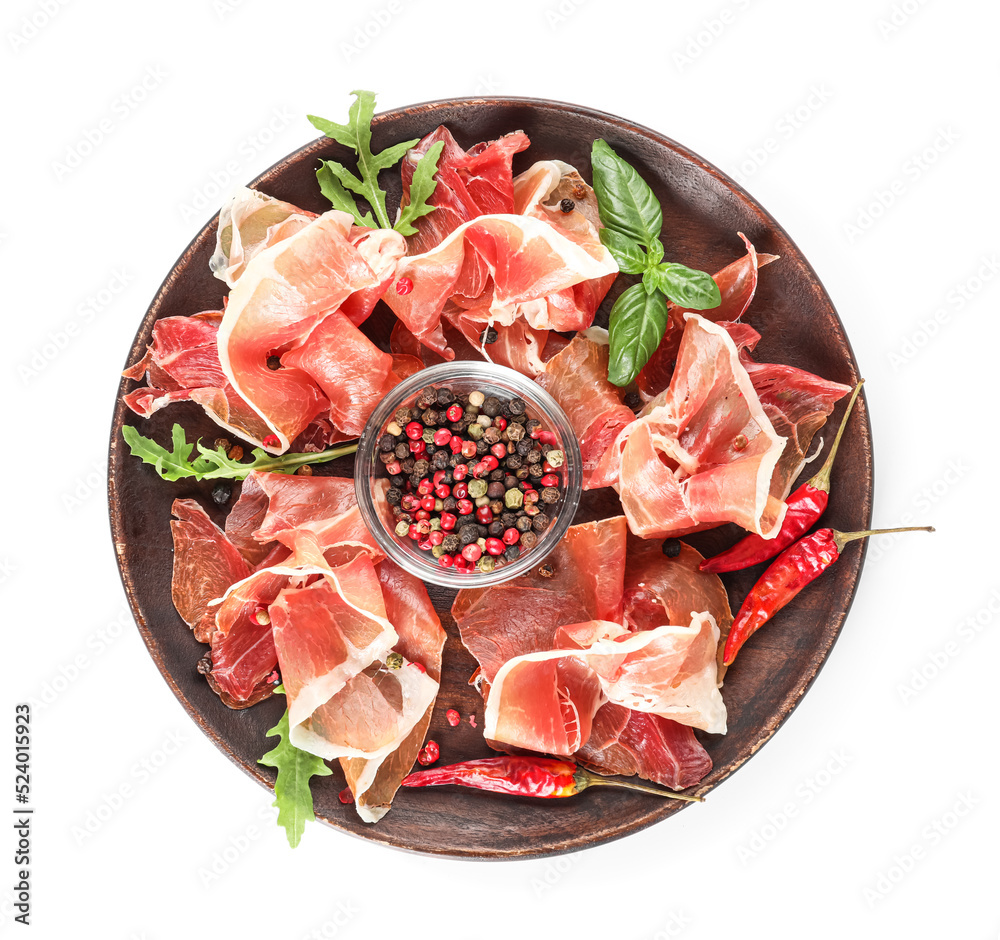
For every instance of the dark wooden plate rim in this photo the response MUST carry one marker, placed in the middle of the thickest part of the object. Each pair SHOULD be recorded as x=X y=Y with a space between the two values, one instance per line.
x=657 y=810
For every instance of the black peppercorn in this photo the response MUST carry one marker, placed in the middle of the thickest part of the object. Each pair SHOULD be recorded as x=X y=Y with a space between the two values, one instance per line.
x=633 y=401
x=546 y=571
x=402 y=451
x=274 y=363
x=516 y=406
x=221 y=493
x=468 y=533
x=567 y=205
x=393 y=496
x=451 y=544
x=387 y=443
x=524 y=447
x=496 y=490
x=491 y=407
x=512 y=553
x=445 y=396
x=541 y=522
x=528 y=540
x=523 y=524
x=550 y=495
x=672 y=548
x=488 y=336
x=495 y=529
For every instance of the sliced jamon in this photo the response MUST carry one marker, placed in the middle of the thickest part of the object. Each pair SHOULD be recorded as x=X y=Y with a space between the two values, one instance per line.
x=655 y=748
x=703 y=452
x=526 y=259
x=546 y=701
x=285 y=293
x=524 y=615
x=421 y=639
x=577 y=378
x=469 y=184
x=182 y=364
x=248 y=223
x=205 y=564
x=353 y=373
x=737 y=283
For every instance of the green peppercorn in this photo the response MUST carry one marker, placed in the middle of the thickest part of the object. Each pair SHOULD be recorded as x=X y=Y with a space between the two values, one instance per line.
x=486 y=564
x=477 y=488
x=556 y=458
x=394 y=660
x=513 y=499
x=402 y=529
x=476 y=431
x=437 y=550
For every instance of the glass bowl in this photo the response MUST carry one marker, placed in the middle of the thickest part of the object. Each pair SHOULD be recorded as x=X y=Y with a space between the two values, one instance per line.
x=371 y=481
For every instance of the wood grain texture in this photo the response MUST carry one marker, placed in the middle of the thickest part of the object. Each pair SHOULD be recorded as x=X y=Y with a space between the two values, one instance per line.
x=703 y=210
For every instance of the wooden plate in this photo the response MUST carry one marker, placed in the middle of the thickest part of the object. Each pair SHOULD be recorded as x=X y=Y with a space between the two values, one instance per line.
x=703 y=210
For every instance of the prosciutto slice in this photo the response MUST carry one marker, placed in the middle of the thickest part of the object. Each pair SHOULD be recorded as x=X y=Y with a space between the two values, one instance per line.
x=703 y=452
x=737 y=284
x=577 y=378
x=469 y=184
x=655 y=748
x=248 y=223
x=797 y=402
x=421 y=639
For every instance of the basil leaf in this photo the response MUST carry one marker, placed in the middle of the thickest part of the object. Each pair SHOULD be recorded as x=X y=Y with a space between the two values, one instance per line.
x=686 y=287
x=655 y=254
x=626 y=204
x=422 y=187
x=638 y=320
x=628 y=253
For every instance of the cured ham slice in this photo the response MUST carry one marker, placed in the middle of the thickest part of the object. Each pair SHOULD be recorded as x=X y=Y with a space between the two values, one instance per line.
x=655 y=748
x=577 y=378
x=526 y=259
x=546 y=701
x=737 y=284
x=703 y=452
x=421 y=639
x=469 y=184
x=205 y=564
x=248 y=223
x=286 y=292
x=524 y=615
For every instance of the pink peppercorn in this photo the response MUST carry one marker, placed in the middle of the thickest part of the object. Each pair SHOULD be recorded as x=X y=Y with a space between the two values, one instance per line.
x=414 y=430
x=495 y=546
x=472 y=552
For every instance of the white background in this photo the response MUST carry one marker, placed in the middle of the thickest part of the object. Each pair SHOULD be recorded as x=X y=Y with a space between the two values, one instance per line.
x=845 y=824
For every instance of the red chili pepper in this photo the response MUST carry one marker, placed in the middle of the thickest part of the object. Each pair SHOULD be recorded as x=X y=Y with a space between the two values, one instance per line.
x=546 y=777
x=805 y=506
x=788 y=574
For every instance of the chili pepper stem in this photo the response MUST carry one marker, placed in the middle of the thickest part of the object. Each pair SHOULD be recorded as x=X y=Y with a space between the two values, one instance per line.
x=842 y=538
x=821 y=481
x=301 y=460
x=586 y=779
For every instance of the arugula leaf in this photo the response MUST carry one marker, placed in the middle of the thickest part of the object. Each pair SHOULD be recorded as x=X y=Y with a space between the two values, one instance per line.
x=625 y=203
x=638 y=320
x=215 y=464
x=422 y=187
x=686 y=287
x=333 y=189
x=357 y=134
x=628 y=253
x=295 y=767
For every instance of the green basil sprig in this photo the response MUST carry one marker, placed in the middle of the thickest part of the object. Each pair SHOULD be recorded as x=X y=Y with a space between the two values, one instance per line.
x=632 y=220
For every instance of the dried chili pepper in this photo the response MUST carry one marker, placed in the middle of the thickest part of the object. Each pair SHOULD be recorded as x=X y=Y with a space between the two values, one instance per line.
x=805 y=506
x=788 y=574
x=545 y=777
